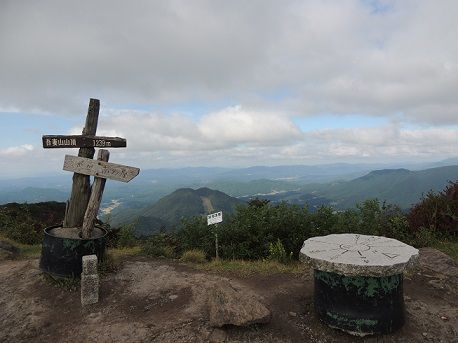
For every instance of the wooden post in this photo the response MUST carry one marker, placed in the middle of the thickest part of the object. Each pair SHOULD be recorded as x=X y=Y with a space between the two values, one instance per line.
x=95 y=199
x=81 y=188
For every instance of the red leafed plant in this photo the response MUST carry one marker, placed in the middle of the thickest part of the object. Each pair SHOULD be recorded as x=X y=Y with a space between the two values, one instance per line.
x=436 y=211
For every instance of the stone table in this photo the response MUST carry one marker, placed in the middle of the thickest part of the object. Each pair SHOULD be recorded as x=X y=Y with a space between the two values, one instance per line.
x=359 y=281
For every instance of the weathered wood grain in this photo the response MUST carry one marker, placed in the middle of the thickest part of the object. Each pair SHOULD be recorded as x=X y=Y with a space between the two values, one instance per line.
x=81 y=187
x=103 y=169
x=96 y=197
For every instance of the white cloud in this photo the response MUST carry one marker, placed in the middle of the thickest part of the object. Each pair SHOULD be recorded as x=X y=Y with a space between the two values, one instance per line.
x=238 y=125
x=331 y=56
x=16 y=151
x=396 y=60
x=229 y=128
x=383 y=143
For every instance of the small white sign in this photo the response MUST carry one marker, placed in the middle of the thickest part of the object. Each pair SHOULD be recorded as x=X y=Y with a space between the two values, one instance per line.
x=214 y=218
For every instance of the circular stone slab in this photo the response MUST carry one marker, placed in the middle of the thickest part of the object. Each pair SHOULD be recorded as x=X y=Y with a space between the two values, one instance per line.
x=353 y=255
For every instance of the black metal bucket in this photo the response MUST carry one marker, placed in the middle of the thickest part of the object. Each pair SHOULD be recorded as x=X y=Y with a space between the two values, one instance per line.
x=62 y=256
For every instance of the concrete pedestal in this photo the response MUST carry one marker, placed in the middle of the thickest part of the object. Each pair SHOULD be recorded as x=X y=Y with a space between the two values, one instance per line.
x=359 y=305
x=359 y=281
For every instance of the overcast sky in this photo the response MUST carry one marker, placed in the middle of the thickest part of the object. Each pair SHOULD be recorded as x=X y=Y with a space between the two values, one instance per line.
x=231 y=83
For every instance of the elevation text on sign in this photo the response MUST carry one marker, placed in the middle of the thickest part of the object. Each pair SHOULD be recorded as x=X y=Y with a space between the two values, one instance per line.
x=82 y=141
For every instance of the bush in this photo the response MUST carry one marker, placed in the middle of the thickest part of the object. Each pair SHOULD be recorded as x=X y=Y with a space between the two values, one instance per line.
x=194 y=233
x=248 y=233
x=278 y=253
x=126 y=237
x=161 y=245
x=22 y=232
x=194 y=256
x=436 y=211
x=424 y=238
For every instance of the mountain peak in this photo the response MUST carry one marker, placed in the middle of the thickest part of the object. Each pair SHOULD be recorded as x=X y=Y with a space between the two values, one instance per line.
x=381 y=172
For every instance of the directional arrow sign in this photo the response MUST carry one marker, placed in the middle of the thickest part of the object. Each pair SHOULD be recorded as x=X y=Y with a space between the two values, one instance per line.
x=101 y=169
x=82 y=141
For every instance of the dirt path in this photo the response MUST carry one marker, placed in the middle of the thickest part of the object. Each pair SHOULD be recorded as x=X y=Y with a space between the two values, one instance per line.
x=165 y=301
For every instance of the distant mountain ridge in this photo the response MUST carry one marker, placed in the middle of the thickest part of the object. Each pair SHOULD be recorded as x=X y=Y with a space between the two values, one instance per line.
x=398 y=186
x=182 y=203
x=301 y=185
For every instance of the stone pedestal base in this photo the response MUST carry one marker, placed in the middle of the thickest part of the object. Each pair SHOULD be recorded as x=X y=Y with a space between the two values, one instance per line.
x=360 y=305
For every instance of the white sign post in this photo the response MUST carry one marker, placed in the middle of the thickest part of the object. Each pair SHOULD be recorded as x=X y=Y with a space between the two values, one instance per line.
x=214 y=219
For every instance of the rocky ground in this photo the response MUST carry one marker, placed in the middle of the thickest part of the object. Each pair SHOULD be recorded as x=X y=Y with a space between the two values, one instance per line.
x=165 y=301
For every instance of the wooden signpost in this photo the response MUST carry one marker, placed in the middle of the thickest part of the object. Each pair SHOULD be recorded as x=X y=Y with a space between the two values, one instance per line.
x=80 y=141
x=99 y=168
x=84 y=202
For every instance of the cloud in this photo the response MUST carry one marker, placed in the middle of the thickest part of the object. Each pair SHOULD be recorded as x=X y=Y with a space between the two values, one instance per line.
x=238 y=125
x=382 y=143
x=16 y=151
x=228 y=128
x=237 y=136
x=374 y=58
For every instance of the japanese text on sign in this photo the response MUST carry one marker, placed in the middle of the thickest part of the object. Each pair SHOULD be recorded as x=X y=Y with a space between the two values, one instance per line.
x=214 y=218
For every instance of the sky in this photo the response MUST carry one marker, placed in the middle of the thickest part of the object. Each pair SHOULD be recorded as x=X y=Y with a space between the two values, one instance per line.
x=230 y=83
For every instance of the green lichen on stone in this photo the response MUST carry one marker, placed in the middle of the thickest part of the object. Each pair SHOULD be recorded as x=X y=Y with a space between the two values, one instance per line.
x=75 y=244
x=70 y=244
x=331 y=279
x=365 y=286
x=389 y=283
x=360 y=325
x=350 y=282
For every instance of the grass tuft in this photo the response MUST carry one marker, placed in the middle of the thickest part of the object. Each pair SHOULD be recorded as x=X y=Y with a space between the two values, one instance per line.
x=449 y=247
x=70 y=284
x=25 y=250
x=194 y=256
x=245 y=268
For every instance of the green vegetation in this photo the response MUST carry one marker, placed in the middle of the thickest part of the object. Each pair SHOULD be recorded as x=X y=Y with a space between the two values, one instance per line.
x=161 y=245
x=262 y=267
x=437 y=211
x=278 y=253
x=261 y=231
x=398 y=186
x=69 y=284
x=24 y=223
x=194 y=256
x=171 y=209
x=448 y=246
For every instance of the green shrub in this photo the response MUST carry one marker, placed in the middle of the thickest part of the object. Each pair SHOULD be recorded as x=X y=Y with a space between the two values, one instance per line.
x=248 y=233
x=436 y=211
x=161 y=245
x=194 y=256
x=278 y=253
x=424 y=238
x=194 y=233
x=22 y=232
x=126 y=237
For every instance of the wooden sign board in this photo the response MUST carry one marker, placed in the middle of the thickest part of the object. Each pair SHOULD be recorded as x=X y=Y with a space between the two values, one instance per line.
x=82 y=141
x=215 y=218
x=101 y=169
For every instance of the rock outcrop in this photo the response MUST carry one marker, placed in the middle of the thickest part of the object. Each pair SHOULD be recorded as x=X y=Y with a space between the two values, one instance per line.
x=231 y=306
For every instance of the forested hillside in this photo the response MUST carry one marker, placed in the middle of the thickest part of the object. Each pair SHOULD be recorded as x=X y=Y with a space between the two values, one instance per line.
x=168 y=212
